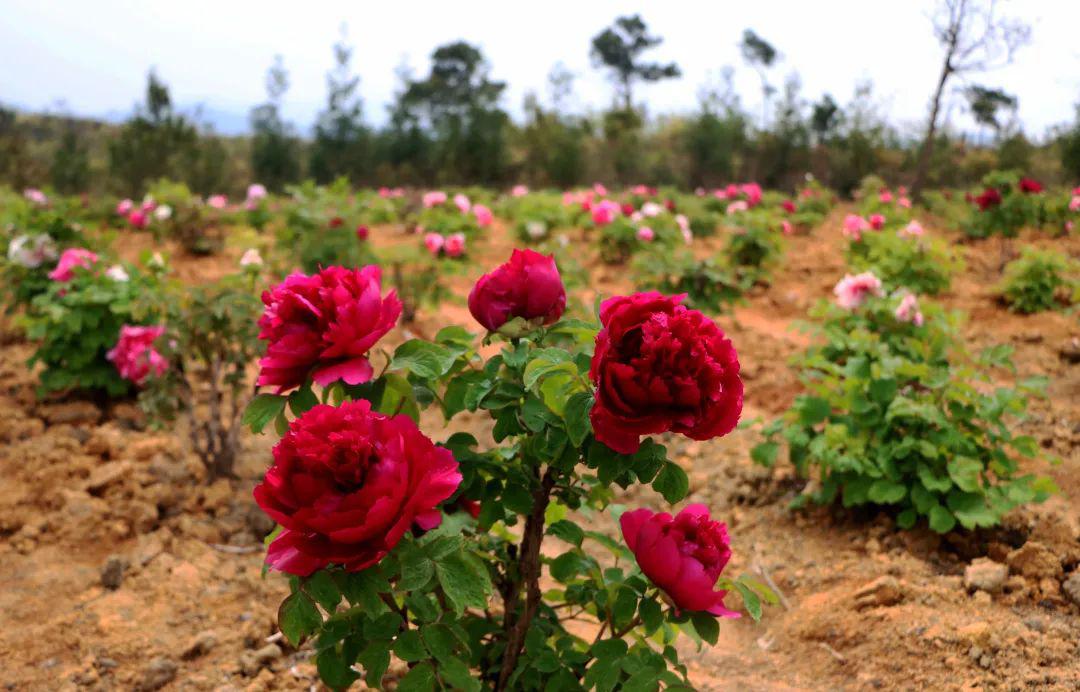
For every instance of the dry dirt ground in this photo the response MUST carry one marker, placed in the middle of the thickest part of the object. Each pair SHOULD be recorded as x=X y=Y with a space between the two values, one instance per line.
x=123 y=570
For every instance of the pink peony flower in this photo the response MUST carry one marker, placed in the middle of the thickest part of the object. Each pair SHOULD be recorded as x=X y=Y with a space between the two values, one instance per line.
x=1074 y=203
x=322 y=326
x=904 y=202
x=885 y=196
x=914 y=229
x=737 y=206
x=36 y=196
x=605 y=212
x=527 y=286
x=731 y=191
x=651 y=209
x=137 y=219
x=852 y=291
x=217 y=201
x=134 y=354
x=255 y=192
x=251 y=258
x=684 y=555
x=483 y=215
x=434 y=243
x=117 y=273
x=462 y=203
x=32 y=251
x=752 y=192
x=148 y=204
x=433 y=199
x=455 y=245
x=787 y=228
x=646 y=234
x=788 y=206
x=877 y=221
x=124 y=207
x=599 y=189
x=908 y=310
x=854 y=226
x=69 y=260
x=519 y=191
x=1069 y=226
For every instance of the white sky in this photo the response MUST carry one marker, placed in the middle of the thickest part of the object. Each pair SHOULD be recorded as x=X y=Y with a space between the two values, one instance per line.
x=94 y=55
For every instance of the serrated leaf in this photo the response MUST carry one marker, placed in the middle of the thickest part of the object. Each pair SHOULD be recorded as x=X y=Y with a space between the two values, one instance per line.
x=298 y=618
x=941 y=519
x=334 y=671
x=672 y=483
x=425 y=359
x=409 y=647
x=263 y=409
x=567 y=531
x=322 y=588
x=464 y=580
x=420 y=679
x=576 y=415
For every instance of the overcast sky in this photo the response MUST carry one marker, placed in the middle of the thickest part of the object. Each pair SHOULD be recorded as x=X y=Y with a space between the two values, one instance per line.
x=93 y=56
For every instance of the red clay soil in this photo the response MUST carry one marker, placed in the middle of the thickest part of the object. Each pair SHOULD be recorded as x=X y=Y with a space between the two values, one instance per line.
x=124 y=570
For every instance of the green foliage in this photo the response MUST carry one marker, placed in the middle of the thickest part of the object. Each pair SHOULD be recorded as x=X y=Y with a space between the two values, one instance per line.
x=922 y=265
x=1040 y=280
x=198 y=229
x=754 y=246
x=899 y=416
x=1017 y=210
x=211 y=338
x=709 y=284
x=75 y=323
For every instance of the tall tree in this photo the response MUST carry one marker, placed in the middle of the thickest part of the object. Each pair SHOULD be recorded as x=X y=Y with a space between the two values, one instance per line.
x=342 y=144
x=976 y=38
x=619 y=49
x=760 y=55
x=459 y=103
x=716 y=137
x=985 y=102
x=275 y=158
x=152 y=143
x=1069 y=144
x=825 y=118
x=70 y=170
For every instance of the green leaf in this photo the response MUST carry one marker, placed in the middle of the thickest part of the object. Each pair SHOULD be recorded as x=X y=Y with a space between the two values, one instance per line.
x=298 y=618
x=941 y=519
x=567 y=531
x=576 y=415
x=263 y=409
x=409 y=647
x=651 y=615
x=425 y=359
x=464 y=580
x=707 y=626
x=885 y=492
x=416 y=570
x=439 y=640
x=812 y=409
x=966 y=473
x=375 y=659
x=322 y=588
x=765 y=453
x=970 y=509
x=302 y=400
x=883 y=391
x=398 y=397
x=546 y=362
x=457 y=675
x=626 y=602
x=420 y=679
x=334 y=670
x=672 y=483
x=362 y=589
x=386 y=626
x=750 y=600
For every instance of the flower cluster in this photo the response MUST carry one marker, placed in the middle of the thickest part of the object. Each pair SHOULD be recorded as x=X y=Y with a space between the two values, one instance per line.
x=134 y=355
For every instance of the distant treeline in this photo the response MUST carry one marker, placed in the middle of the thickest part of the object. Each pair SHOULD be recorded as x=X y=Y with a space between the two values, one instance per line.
x=449 y=127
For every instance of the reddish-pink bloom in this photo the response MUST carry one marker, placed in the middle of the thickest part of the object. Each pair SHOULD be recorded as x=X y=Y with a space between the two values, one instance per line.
x=138 y=219
x=787 y=228
x=323 y=325
x=660 y=366
x=627 y=209
x=483 y=215
x=519 y=191
x=684 y=555
x=347 y=483
x=885 y=196
x=646 y=234
x=434 y=243
x=904 y=202
x=1074 y=203
x=855 y=226
x=124 y=207
x=362 y=232
x=908 y=310
x=852 y=291
x=990 y=197
x=604 y=212
x=217 y=201
x=1030 y=187
x=877 y=221
x=737 y=206
x=433 y=198
x=914 y=229
x=789 y=206
x=134 y=354
x=336 y=222
x=527 y=286
x=454 y=245
x=752 y=192
x=69 y=260
x=599 y=189
x=462 y=203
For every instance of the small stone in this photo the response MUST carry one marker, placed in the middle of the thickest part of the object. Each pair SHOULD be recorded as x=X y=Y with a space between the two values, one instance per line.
x=1036 y=624
x=1070 y=350
x=982 y=598
x=985 y=575
x=112 y=572
x=873 y=546
x=158 y=673
x=72 y=413
x=252 y=661
x=107 y=474
x=1071 y=587
x=1035 y=561
x=883 y=591
x=201 y=645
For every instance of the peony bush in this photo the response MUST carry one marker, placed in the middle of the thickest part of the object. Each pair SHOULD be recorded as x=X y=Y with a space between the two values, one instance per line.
x=469 y=559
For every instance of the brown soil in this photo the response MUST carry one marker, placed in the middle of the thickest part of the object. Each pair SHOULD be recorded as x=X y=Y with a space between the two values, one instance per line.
x=125 y=570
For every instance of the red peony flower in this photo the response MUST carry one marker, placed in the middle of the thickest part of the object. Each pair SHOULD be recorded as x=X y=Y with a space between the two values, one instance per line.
x=134 y=354
x=362 y=232
x=661 y=366
x=669 y=204
x=990 y=197
x=347 y=483
x=683 y=555
x=528 y=286
x=1030 y=187
x=336 y=222
x=323 y=326
x=789 y=206
x=627 y=209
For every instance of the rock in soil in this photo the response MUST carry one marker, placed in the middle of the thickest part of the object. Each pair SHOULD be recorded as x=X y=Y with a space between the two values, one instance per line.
x=201 y=645
x=1071 y=587
x=158 y=673
x=985 y=575
x=1035 y=561
x=112 y=572
x=883 y=591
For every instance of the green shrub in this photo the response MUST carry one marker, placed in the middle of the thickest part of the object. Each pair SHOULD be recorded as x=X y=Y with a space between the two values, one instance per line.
x=1001 y=208
x=755 y=245
x=922 y=265
x=709 y=285
x=899 y=416
x=1040 y=280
